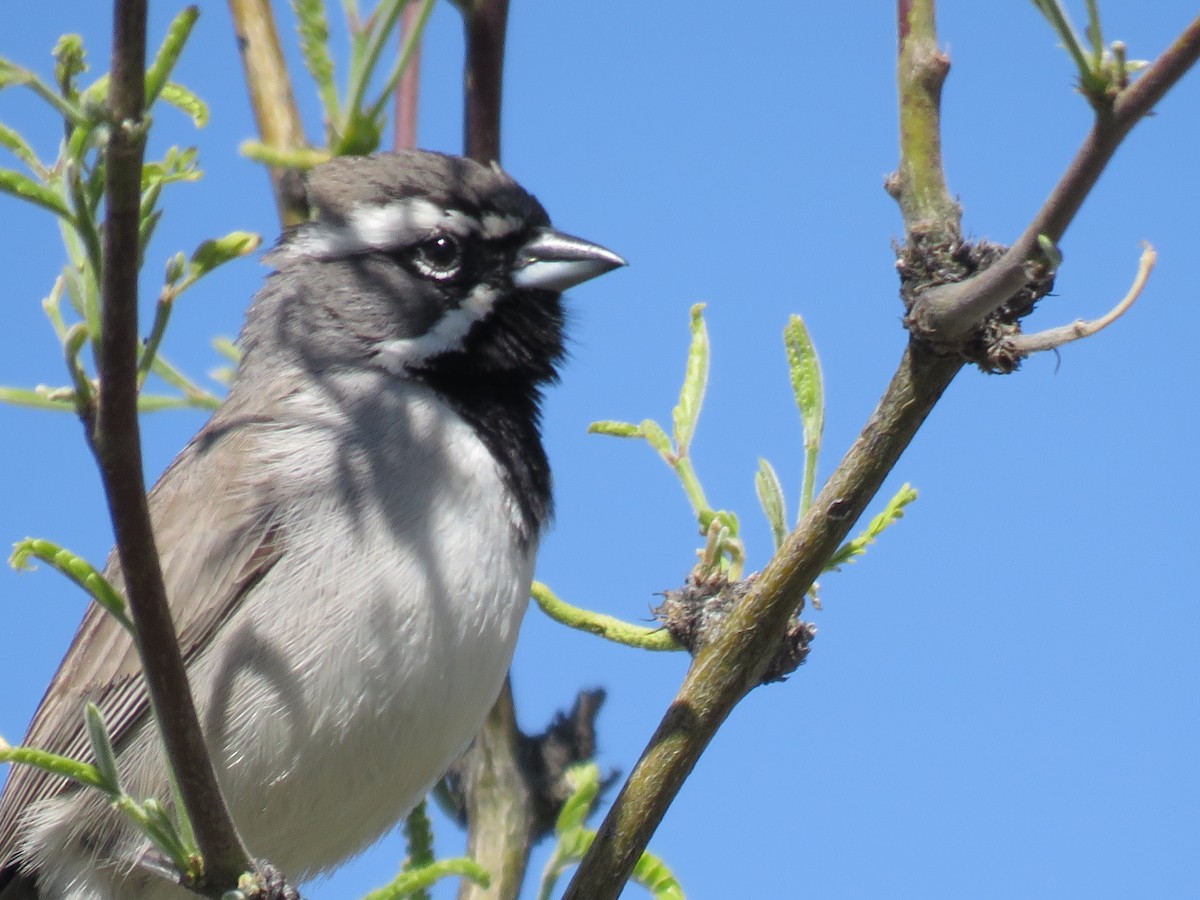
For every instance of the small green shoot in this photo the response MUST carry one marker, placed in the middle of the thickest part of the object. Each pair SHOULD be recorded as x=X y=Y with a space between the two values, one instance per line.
x=892 y=513
x=601 y=625
x=1103 y=71
x=573 y=838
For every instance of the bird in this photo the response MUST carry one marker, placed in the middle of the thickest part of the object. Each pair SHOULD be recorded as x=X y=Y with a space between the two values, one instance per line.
x=348 y=543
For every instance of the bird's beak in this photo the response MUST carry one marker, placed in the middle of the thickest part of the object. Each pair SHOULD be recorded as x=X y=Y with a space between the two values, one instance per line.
x=553 y=261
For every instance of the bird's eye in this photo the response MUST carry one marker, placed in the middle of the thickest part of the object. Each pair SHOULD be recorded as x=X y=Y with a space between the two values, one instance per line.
x=439 y=257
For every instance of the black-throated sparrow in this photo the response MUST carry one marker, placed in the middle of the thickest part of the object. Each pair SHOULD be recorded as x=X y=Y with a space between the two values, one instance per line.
x=348 y=544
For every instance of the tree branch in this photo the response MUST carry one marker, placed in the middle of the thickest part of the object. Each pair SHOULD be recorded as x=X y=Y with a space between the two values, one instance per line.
x=408 y=89
x=486 y=22
x=1052 y=338
x=726 y=669
x=272 y=100
x=116 y=443
x=951 y=312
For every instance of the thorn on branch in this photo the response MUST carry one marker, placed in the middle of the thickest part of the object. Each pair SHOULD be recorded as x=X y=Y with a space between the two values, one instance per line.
x=1051 y=338
x=695 y=613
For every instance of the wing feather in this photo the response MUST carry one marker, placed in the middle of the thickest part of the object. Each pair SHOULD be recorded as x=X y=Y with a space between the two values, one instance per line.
x=212 y=555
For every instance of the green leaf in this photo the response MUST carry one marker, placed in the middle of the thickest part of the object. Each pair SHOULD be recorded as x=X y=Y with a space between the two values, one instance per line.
x=412 y=43
x=20 y=148
x=407 y=883
x=184 y=99
x=808 y=388
x=608 y=627
x=59 y=399
x=24 y=187
x=574 y=840
x=300 y=158
x=227 y=349
x=695 y=380
x=654 y=875
x=770 y=497
x=106 y=757
x=657 y=438
x=158 y=826
x=213 y=253
x=892 y=513
x=12 y=74
x=615 y=429
x=418 y=839
x=69 y=62
x=81 y=772
x=159 y=72
x=584 y=779
x=1095 y=34
x=78 y=569
x=313 y=27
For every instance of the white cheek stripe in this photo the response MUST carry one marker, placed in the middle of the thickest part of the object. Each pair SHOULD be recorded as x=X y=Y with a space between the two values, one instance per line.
x=397 y=224
x=450 y=333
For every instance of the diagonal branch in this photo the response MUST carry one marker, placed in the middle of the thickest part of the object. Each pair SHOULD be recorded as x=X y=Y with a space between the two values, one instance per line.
x=724 y=671
x=116 y=443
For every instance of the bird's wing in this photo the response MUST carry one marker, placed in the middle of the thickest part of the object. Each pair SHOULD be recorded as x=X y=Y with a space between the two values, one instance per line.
x=216 y=538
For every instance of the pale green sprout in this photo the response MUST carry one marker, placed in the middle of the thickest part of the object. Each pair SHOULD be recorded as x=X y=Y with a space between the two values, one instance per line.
x=573 y=838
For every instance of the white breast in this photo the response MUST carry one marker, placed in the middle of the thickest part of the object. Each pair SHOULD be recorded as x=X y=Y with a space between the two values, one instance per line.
x=367 y=657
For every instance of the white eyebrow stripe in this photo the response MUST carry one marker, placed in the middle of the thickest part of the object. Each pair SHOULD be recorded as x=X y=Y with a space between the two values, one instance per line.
x=448 y=333
x=496 y=225
x=396 y=224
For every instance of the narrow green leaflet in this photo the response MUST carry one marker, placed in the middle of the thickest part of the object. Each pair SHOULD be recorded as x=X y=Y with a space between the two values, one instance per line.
x=657 y=438
x=407 y=883
x=808 y=388
x=615 y=429
x=695 y=381
x=159 y=827
x=78 y=569
x=184 y=99
x=77 y=771
x=227 y=349
x=25 y=188
x=585 y=778
x=313 y=27
x=654 y=875
x=106 y=757
x=412 y=42
x=574 y=839
x=20 y=148
x=159 y=72
x=57 y=400
x=1095 y=34
x=770 y=497
x=892 y=513
x=605 y=626
x=218 y=251
x=418 y=839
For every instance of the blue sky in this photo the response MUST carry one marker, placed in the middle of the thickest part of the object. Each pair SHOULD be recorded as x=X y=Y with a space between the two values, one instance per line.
x=1001 y=700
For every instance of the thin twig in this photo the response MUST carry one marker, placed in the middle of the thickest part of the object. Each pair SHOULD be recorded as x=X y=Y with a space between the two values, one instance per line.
x=1051 y=338
x=117 y=445
x=946 y=315
x=408 y=90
